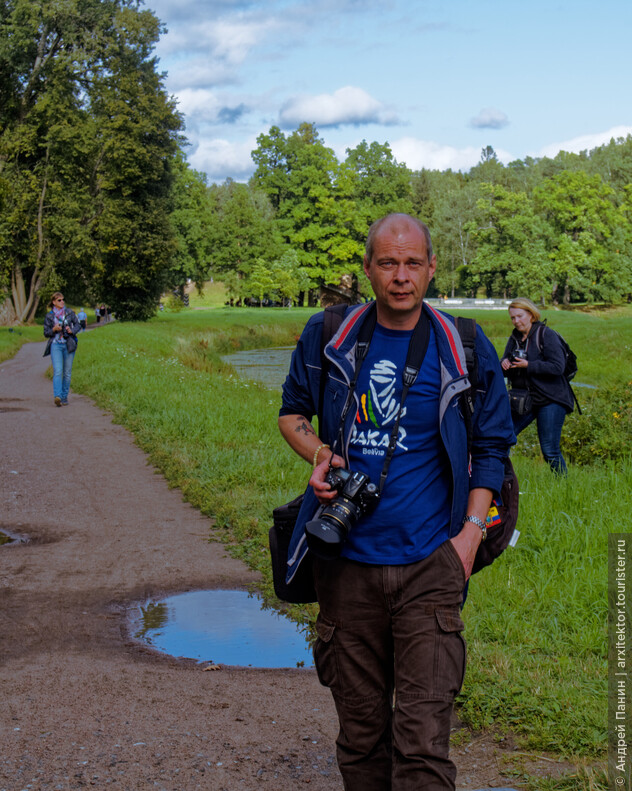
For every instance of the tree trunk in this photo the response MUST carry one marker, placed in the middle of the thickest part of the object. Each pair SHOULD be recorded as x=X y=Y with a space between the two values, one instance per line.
x=25 y=305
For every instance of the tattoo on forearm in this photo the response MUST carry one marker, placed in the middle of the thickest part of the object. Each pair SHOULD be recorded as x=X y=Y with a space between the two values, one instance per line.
x=304 y=427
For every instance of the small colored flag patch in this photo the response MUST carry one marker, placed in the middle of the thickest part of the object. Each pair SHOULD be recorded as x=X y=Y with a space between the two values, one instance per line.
x=493 y=517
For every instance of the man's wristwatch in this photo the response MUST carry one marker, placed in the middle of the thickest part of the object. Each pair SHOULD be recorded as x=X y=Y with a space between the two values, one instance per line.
x=478 y=522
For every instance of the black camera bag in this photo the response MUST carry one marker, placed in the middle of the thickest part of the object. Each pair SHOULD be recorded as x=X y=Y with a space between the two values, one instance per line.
x=300 y=590
x=520 y=400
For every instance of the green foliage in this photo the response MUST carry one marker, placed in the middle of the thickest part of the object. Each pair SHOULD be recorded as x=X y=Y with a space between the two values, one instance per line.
x=510 y=245
x=313 y=196
x=281 y=281
x=191 y=216
x=87 y=138
x=554 y=229
x=581 y=211
x=241 y=229
x=603 y=430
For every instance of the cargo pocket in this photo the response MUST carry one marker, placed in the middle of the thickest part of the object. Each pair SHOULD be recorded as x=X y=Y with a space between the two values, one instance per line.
x=324 y=652
x=450 y=653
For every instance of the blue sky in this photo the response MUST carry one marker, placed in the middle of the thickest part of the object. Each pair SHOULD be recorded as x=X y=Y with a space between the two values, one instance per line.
x=436 y=80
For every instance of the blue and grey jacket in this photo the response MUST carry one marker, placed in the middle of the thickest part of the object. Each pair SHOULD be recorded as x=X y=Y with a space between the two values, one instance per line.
x=492 y=431
x=50 y=321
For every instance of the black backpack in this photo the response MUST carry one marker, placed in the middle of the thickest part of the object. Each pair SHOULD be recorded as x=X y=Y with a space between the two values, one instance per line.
x=503 y=514
x=570 y=366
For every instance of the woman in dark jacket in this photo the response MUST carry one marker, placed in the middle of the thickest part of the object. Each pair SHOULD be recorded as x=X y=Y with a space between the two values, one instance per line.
x=61 y=327
x=534 y=361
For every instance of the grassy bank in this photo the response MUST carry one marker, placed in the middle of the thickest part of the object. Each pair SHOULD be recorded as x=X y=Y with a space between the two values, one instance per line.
x=535 y=620
x=12 y=338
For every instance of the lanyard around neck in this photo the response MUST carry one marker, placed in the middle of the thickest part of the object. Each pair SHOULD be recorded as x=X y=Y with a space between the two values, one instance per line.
x=417 y=348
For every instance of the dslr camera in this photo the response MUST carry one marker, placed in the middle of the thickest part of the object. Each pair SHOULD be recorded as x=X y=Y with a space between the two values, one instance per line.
x=519 y=354
x=357 y=496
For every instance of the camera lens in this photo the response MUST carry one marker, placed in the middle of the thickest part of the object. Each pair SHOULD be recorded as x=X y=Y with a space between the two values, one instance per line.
x=326 y=535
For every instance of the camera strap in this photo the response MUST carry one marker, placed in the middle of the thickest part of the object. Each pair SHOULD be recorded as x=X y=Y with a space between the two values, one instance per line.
x=414 y=358
x=417 y=348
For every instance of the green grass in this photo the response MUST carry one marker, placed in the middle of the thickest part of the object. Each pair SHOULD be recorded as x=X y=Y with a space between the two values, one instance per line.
x=535 y=620
x=12 y=339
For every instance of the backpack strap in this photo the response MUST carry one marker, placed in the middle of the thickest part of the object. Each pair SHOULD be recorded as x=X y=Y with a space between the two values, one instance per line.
x=467 y=331
x=332 y=319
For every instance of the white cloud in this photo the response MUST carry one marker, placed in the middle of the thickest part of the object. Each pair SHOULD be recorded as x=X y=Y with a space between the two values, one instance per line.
x=417 y=154
x=199 y=72
x=228 y=42
x=489 y=118
x=198 y=104
x=348 y=105
x=584 y=142
x=221 y=159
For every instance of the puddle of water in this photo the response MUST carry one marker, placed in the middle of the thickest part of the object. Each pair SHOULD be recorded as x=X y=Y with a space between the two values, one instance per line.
x=269 y=366
x=223 y=627
x=11 y=538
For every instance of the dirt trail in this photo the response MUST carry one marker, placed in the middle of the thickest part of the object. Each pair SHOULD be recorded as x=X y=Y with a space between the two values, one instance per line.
x=82 y=704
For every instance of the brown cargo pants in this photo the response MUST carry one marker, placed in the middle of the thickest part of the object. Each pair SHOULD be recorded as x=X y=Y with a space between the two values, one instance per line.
x=390 y=649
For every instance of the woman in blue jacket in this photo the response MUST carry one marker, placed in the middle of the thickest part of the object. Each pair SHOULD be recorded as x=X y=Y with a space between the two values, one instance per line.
x=61 y=327
x=534 y=361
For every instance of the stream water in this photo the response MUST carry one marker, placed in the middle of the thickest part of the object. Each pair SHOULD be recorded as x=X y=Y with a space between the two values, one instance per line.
x=269 y=366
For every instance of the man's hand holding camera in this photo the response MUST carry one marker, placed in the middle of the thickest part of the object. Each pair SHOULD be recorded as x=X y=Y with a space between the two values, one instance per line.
x=318 y=482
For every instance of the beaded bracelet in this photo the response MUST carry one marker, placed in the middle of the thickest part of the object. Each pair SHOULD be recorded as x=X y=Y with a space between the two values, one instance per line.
x=316 y=452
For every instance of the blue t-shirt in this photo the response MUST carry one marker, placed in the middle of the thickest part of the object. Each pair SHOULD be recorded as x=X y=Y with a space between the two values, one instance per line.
x=413 y=516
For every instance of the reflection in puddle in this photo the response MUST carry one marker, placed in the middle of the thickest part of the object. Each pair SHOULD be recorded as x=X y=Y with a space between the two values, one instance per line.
x=223 y=627
x=11 y=538
x=269 y=366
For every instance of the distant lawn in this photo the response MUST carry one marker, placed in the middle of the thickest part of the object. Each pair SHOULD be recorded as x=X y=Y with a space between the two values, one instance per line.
x=214 y=295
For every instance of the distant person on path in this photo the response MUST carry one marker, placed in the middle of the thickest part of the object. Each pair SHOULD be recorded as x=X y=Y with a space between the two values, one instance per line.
x=534 y=361
x=61 y=327
x=82 y=316
x=389 y=643
x=97 y=314
x=103 y=313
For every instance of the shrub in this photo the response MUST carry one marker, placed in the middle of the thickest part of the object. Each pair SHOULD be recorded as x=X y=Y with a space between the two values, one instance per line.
x=603 y=430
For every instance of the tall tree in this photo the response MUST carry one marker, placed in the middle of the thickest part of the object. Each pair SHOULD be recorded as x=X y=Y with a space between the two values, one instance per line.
x=383 y=185
x=241 y=230
x=581 y=212
x=511 y=256
x=87 y=137
x=313 y=195
x=191 y=217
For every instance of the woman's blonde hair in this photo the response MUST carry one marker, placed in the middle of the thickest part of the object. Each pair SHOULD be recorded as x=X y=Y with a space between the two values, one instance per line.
x=525 y=304
x=54 y=297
